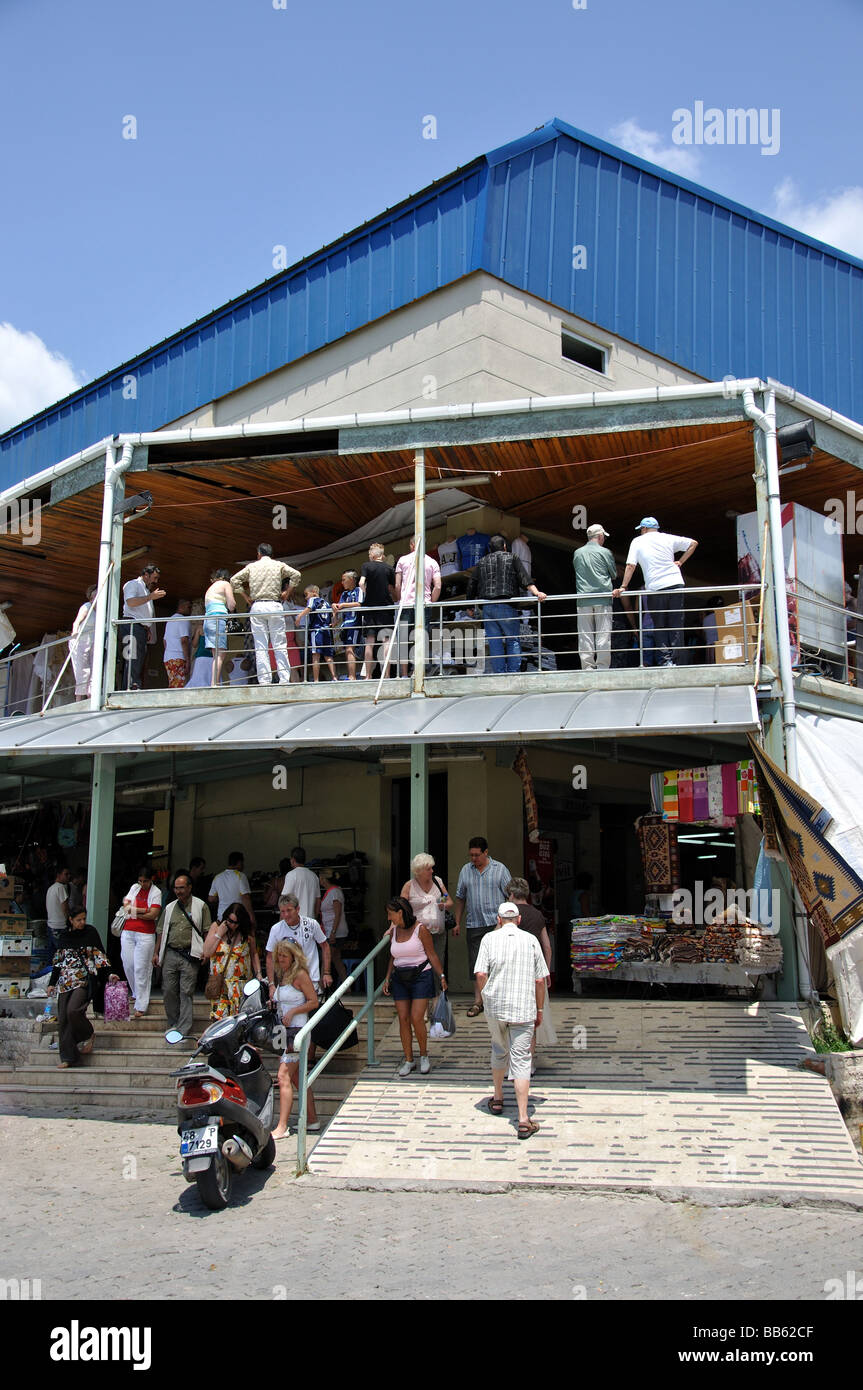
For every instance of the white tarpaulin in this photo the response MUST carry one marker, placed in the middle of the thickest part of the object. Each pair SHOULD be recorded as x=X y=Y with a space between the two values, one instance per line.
x=392 y=525
x=830 y=757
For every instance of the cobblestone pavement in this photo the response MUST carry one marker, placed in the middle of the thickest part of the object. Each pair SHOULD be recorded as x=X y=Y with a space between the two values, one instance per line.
x=101 y=1211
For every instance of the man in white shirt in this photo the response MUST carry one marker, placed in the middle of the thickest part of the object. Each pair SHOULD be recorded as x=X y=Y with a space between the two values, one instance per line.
x=139 y=596
x=511 y=975
x=406 y=588
x=308 y=935
x=654 y=551
x=178 y=646
x=57 y=904
x=231 y=886
x=304 y=884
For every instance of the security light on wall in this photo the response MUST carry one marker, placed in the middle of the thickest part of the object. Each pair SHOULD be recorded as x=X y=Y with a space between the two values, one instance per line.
x=795 y=442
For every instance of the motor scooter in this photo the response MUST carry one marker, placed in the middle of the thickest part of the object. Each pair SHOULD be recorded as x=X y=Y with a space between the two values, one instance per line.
x=225 y=1103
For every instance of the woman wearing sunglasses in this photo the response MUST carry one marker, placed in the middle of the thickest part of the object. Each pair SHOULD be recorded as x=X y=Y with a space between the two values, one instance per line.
x=232 y=952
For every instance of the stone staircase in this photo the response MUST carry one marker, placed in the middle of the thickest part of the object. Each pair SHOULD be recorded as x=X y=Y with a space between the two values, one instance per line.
x=127 y=1075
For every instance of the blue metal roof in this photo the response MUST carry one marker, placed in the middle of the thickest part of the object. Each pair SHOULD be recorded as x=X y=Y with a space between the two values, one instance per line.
x=682 y=272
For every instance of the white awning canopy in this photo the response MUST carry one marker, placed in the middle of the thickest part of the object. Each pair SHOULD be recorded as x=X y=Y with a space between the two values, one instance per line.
x=360 y=723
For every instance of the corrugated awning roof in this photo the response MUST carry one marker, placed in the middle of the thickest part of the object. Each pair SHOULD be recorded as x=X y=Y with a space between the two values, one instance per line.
x=360 y=723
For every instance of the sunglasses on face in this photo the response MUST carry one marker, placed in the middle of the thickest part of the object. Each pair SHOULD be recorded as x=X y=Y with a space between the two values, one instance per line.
x=232 y=921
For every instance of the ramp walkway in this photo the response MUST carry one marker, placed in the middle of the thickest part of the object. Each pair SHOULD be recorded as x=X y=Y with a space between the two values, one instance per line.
x=684 y=1100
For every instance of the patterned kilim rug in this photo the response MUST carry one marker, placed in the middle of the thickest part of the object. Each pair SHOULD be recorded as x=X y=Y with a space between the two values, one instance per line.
x=657 y=839
x=829 y=887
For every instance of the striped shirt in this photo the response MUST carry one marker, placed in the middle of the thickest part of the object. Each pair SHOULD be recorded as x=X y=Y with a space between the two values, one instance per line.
x=483 y=892
x=512 y=960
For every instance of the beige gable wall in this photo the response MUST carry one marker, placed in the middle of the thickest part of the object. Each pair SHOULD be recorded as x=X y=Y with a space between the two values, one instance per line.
x=476 y=340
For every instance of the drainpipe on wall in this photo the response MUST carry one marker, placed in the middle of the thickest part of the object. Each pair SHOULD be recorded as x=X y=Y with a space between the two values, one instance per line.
x=766 y=422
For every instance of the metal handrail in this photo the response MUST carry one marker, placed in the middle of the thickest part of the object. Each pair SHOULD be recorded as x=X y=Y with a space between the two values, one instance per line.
x=304 y=1039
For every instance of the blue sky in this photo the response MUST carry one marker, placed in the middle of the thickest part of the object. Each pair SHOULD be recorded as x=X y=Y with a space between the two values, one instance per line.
x=260 y=126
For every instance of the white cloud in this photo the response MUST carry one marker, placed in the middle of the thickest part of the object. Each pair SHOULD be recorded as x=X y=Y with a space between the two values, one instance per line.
x=836 y=219
x=31 y=376
x=648 y=144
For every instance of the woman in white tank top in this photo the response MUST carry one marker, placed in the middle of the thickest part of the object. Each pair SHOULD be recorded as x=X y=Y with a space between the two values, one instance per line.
x=430 y=901
x=295 y=999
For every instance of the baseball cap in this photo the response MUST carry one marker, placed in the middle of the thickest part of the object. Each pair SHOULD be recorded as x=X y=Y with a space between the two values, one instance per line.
x=508 y=910
x=596 y=531
x=647 y=521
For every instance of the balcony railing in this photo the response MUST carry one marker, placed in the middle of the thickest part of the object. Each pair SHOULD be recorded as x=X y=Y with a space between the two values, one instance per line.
x=718 y=627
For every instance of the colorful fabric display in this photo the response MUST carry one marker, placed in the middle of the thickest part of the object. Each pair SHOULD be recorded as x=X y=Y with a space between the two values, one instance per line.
x=714 y=792
x=685 y=796
x=670 y=806
x=700 y=803
x=729 y=789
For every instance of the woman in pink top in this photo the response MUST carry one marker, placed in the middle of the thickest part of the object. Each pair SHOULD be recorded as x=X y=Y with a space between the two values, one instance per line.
x=413 y=961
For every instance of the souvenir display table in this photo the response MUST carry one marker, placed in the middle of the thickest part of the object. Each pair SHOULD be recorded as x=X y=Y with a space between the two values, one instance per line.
x=657 y=951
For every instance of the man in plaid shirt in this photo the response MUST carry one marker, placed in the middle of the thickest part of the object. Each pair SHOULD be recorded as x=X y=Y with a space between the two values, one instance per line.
x=511 y=974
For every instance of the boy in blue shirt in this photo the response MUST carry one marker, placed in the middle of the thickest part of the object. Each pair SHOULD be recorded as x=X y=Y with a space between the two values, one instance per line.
x=349 y=604
x=320 y=633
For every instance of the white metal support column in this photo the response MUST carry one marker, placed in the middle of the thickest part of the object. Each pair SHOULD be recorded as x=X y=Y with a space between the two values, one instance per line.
x=419 y=798
x=420 y=562
x=101 y=841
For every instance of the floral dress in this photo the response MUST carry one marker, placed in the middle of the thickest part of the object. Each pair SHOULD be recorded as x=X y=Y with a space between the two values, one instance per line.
x=238 y=971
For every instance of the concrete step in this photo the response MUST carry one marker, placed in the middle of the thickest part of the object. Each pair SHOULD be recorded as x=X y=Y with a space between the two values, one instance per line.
x=160 y=1059
x=108 y=1078
x=59 y=1099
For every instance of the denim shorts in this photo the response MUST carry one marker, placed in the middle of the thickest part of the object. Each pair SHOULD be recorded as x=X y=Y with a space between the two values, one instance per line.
x=422 y=987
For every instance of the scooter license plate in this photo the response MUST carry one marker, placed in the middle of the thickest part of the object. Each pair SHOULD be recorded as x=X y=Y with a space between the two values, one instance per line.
x=199 y=1141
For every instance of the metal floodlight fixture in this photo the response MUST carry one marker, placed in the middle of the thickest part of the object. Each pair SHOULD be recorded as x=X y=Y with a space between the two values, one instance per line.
x=796 y=441
x=437 y=484
x=137 y=504
x=18 y=810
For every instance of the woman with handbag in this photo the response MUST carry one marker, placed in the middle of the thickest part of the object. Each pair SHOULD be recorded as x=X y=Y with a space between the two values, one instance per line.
x=431 y=904
x=142 y=906
x=78 y=961
x=232 y=952
x=295 y=999
x=413 y=962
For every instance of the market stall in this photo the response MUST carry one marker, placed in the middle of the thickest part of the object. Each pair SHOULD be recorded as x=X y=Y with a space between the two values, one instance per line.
x=687 y=935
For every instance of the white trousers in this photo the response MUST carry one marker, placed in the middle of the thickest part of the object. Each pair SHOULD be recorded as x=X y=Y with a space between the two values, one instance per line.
x=594 y=637
x=136 y=948
x=82 y=664
x=268 y=627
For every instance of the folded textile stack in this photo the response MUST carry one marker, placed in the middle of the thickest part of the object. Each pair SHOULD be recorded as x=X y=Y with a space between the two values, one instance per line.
x=757 y=950
x=679 y=948
x=720 y=943
x=598 y=943
x=639 y=947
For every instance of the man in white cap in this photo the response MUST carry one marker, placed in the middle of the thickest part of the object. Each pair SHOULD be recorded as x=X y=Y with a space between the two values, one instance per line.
x=654 y=551
x=595 y=572
x=511 y=974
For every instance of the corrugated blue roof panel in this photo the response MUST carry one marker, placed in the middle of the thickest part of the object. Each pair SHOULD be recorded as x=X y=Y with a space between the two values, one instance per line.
x=684 y=273
x=408 y=252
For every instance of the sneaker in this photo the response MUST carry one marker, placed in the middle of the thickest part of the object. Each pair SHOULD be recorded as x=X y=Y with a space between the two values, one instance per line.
x=425 y=1066
x=406 y=1068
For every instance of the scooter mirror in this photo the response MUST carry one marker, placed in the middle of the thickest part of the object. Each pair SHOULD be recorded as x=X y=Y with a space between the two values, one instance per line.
x=251 y=987
x=173 y=1036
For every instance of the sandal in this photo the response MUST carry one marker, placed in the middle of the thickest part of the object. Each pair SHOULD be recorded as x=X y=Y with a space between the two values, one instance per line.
x=526 y=1130
x=475 y=1010
x=495 y=1105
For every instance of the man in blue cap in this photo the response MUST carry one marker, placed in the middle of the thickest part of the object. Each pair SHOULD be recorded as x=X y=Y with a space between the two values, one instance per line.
x=655 y=552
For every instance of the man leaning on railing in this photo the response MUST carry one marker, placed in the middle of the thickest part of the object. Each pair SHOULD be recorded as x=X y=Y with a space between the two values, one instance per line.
x=498 y=578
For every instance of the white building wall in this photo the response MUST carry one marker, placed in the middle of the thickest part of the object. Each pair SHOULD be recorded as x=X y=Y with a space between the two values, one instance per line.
x=476 y=340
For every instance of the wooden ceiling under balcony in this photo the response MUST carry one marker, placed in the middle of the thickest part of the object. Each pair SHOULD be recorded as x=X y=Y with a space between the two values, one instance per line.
x=210 y=513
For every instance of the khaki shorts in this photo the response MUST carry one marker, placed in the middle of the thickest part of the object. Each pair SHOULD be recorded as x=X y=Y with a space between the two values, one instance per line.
x=510 y=1047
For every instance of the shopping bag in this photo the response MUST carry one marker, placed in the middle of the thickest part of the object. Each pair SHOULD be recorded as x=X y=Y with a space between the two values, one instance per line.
x=118 y=922
x=442 y=1018
x=331 y=1025
x=545 y=1034
x=117 y=1003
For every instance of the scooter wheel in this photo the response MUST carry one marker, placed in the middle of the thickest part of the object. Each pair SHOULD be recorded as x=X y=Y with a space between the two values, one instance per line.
x=214 y=1183
x=267 y=1157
